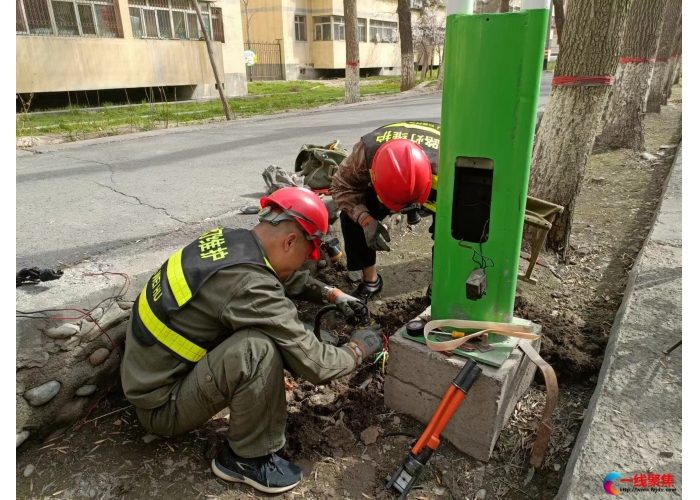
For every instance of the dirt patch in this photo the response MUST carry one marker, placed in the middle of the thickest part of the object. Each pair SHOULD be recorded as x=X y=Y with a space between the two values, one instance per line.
x=109 y=459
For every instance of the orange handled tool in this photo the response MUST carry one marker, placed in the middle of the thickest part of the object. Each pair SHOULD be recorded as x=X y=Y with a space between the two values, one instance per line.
x=407 y=475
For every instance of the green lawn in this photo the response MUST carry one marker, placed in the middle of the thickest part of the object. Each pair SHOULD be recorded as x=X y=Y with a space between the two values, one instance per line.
x=264 y=98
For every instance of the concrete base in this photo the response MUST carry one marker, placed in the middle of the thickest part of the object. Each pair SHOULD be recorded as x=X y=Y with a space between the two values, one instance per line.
x=418 y=379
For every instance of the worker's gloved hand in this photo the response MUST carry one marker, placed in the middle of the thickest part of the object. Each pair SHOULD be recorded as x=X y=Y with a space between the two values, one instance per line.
x=350 y=306
x=366 y=341
x=375 y=233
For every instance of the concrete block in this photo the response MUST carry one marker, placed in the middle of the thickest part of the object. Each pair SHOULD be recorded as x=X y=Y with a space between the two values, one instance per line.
x=417 y=379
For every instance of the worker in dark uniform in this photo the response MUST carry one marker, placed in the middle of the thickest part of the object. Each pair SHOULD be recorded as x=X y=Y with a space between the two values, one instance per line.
x=214 y=327
x=392 y=169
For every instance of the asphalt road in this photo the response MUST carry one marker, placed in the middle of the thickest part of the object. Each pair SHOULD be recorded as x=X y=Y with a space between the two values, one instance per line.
x=77 y=201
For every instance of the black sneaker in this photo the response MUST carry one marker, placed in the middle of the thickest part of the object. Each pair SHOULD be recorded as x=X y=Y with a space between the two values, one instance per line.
x=366 y=291
x=269 y=474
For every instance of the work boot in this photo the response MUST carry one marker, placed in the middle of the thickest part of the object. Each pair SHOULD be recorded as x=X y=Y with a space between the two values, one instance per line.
x=366 y=291
x=269 y=474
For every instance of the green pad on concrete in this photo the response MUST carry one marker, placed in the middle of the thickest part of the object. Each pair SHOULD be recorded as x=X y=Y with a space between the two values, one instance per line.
x=502 y=346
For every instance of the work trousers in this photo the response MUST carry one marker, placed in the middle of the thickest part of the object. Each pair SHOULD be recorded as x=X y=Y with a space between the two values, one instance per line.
x=245 y=372
x=359 y=255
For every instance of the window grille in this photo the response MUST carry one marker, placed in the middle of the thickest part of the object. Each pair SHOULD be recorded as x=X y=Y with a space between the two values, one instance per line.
x=67 y=18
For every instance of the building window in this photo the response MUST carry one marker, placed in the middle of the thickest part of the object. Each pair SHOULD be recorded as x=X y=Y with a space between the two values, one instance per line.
x=300 y=28
x=67 y=18
x=174 y=19
x=362 y=30
x=329 y=28
x=417 y=4
x=217 y=24
x=383 y=31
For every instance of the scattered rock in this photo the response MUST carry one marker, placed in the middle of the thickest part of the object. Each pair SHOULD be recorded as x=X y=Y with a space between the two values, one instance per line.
x=379 y=302
x=556 y=295
x=87 y=328
x=529 y=476
x=126 y=305
x=28 y=470
x=598 y=180
x=369 y=435
x=70 y=344
x=666 y=454
x=117 y=422
x=649 y=156
x=322 y=399
x=557 y=467
x=593 y=379
x=98 y=357
x=148 y=438
x=22 y=437
x=322 y=263
x=95 y=315
x=111 y=317
x=42 y=394
x=63 y=331
x=32 y=358
x=397 y=421
x=86 y=390
x=480 y=495
x=52 y=347
x=439 y=491
x=366 y=457
x=55 y=434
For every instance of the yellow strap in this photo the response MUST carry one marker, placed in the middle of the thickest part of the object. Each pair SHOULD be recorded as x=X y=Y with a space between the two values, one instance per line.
x=435 y=182
x=176 y=279
x=414 y=126
x=169 y=338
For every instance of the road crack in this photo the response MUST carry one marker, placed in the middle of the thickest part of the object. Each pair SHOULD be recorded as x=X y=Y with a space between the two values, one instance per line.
x=162 y=209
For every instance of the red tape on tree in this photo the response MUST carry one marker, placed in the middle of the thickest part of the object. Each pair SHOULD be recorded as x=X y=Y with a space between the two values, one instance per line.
x=350 y=63
x=583 y=81
x=636 y=59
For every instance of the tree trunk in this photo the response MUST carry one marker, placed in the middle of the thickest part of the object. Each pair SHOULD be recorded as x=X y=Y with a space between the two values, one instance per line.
x=505 y=6
x=408 y=74
x=441 y=68
x=673 y=62
x=679 y=71
x=426 y=61
x=568 y=129
x=624 y=120
x=668 y=32
x=352 y=53
x=559 y=18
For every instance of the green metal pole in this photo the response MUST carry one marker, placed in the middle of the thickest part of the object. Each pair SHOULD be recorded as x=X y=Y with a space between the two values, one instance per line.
x=493 y=64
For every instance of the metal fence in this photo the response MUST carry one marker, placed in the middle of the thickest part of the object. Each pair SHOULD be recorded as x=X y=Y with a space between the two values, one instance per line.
x=269 y=61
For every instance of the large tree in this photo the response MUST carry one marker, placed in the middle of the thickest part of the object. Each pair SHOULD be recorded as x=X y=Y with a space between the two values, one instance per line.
x=590 y=47
x=624 y=121
x=668 y=32
x=505 y=6
x=406 y=35
x=674 y=63
x=352 y=53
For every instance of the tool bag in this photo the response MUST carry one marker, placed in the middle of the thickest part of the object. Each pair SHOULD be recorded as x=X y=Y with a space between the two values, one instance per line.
x=318 y=164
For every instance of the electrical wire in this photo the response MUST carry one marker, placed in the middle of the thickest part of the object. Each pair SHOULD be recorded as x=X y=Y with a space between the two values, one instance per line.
x=484 y=262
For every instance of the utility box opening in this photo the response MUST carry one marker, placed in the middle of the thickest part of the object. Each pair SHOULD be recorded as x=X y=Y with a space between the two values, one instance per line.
x=471 y=202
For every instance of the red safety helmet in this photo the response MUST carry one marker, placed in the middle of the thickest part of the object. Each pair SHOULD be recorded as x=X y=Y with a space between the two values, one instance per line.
x=401 y=174
x=302 y=206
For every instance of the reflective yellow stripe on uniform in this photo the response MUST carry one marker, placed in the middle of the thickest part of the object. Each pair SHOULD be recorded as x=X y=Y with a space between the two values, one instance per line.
x=176 y=279
x=435 y=181
x=169 y=338
x=414 y=126
x=267 y=263
x=430 y=206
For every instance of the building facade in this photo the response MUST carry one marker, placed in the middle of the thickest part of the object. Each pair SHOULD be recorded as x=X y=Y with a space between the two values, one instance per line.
x=311 y=35
x=88 y=45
